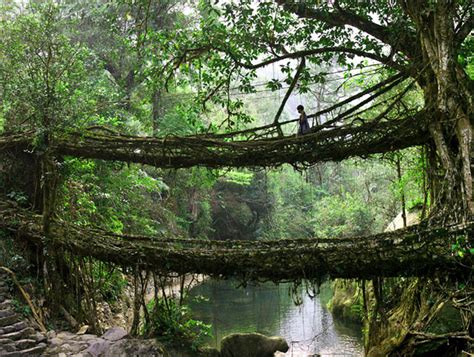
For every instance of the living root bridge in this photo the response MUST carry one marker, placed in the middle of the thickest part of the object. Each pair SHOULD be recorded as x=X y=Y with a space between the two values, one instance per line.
x=326 y=144
x=415 y=251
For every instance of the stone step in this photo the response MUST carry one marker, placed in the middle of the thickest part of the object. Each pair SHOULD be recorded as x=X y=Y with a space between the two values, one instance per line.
x=9 y=347
x=6 y=312
x=6 y=304
x=18 y=335
x=4 y=341
x=8 y=320
x=34 y=351
x=12 y=328
x=20 y=345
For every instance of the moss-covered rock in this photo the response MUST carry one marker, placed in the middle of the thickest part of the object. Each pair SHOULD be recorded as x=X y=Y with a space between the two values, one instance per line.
x=347 y=301
x=252 y=345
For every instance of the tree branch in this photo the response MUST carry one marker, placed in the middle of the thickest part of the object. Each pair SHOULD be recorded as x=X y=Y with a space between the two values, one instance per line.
x=464 y=30
x=304 y=53
x=359 y=105
x=213 y=92
x=289 y=91
x=451 y=335
x=340 y=18
x=396 y=78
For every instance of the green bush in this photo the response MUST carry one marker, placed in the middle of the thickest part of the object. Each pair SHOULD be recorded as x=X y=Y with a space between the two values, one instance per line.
x=173 y=322
x=110 y=281
x=21 y=308
x=339 y=216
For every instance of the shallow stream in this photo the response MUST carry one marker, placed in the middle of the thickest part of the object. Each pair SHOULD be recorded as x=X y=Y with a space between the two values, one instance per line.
x=269 y=309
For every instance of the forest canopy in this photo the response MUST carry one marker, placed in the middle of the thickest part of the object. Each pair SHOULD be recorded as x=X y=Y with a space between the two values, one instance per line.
x=174 y=84
x=173 y=68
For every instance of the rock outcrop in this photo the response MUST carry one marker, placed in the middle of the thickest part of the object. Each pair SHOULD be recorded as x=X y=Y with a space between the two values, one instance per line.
x=113 y=343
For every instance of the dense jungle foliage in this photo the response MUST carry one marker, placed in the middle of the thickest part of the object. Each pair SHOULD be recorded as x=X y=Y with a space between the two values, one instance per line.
x=175 y=68
x=97 y=76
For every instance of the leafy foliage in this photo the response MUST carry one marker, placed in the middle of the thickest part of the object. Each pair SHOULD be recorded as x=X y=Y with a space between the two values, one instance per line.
x=47 y=81
x=173 y=322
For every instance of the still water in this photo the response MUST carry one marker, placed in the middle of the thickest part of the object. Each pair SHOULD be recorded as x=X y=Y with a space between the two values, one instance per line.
x=269 y=309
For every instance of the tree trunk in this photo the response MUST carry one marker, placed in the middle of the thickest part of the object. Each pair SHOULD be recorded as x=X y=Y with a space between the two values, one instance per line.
x=448 y=99
x=402 y=191
x=447 y=96
x=157 y=111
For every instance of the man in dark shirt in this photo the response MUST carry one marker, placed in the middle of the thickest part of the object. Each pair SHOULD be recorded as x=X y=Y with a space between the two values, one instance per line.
x=303 y=121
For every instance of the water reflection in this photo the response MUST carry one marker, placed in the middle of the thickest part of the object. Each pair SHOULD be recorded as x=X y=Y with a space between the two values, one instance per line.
x=269 y=309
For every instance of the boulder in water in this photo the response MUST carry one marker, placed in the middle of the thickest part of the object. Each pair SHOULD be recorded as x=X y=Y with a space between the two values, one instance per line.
x=252 y=345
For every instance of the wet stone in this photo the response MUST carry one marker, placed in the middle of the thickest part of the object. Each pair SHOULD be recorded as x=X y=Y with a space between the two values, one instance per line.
x=55 y=341
x=115 y=334
x=34 y=351
x=4 y=341
x=24 y=344
x=98 y=347
x=6 y=312
x=17 y=335
x=6 y=321
x=15 y=327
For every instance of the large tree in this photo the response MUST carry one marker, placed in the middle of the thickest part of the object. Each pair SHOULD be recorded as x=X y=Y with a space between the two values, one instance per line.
x=428 y=42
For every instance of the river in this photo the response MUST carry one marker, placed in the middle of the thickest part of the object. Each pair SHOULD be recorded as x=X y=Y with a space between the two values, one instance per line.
x=309 y=328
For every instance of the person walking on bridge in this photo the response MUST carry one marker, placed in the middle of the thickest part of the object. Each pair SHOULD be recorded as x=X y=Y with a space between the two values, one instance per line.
x=303 y=121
